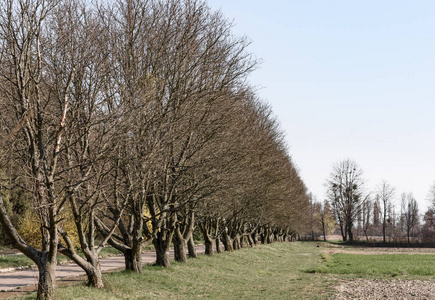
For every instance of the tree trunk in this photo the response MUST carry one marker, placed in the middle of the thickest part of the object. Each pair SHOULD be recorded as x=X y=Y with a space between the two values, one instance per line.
x=254 y=237
x=218 y=244
x=263 y=238
x=349 y=232
x=208 y=245
x=343 y=232
x=47 y=280
x=133 y=258
x=269 y=236
x=95 y=277
x=228 y=242
x=161 y=245
x=180 y=248
x=243 y=241
x=367 y=237
x=236 y=242
x=250 y=240
x=162 y=256
x=191 y=248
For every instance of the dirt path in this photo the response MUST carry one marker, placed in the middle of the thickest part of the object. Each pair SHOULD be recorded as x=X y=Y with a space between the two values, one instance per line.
x=12 y=284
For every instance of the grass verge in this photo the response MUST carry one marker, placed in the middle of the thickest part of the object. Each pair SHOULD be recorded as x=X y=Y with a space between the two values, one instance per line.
x=267 y=271
x=12 y=261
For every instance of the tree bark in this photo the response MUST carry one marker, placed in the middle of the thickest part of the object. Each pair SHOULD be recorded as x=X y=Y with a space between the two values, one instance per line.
x=162 y=256
x=250 y=240
x=228 y=242
x=349 y=232
x=236 y=242
x=161 y=244
x=191 y=248
x=46 y=280
x=254 y=237
x=209 y=246
x=180 y=247
x=95 y=277
x=218 y=245
x=133 y=258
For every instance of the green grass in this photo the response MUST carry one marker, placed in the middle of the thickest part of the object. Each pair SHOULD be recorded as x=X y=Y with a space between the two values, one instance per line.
x=265 y=272
x=12 y=261
x=377 y=265
x=278 y=271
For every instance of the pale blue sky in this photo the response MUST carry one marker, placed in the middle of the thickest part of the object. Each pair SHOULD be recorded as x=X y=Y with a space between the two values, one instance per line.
x=348 y=79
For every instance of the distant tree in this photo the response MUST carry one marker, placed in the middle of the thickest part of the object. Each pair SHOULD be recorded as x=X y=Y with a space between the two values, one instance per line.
x=345 y=193
x=314 y=216
x=326 y=219
x=385 y=193
x=376 y=212
x=409 y=213
x=428 y=229
x=366 y=212
x=431 y=196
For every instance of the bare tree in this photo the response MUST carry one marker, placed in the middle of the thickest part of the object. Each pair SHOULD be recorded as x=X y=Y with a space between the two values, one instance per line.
x=326 y=219
x=40 y=72
x=385 y=193
x=35 y=112
x=431 y=196
x=409 y=208
x=96 y=117
x=367 y=211
x=345 y=192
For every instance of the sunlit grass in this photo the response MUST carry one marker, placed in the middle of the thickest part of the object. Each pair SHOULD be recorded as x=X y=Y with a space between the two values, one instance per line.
x=265 y=272
x=277 y=271
x=12 y=261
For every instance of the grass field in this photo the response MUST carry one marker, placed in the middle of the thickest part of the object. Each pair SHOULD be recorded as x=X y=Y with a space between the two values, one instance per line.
x=299 y=270
x=11 y=261
x=408 y=266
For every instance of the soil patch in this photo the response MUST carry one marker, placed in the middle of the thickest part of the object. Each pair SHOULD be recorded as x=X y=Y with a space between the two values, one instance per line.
x=385 y=289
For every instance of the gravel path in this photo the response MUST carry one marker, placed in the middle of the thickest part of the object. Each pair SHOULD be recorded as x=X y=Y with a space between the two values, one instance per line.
x=385 y=289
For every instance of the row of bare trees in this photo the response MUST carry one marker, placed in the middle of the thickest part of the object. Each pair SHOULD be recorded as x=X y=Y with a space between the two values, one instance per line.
x=134 y=121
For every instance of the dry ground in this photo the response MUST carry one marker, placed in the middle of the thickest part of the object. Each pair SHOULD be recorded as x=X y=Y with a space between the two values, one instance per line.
x=385 y=289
